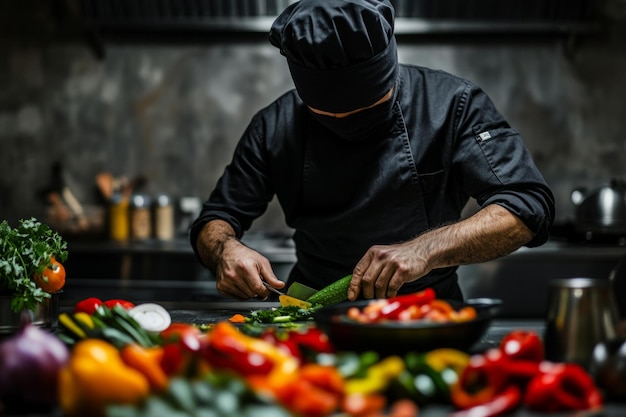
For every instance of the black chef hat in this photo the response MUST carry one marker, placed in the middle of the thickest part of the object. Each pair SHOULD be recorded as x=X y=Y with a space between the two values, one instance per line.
x=341 y=53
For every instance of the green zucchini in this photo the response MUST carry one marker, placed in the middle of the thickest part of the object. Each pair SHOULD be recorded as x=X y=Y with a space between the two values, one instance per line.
x=333 y=293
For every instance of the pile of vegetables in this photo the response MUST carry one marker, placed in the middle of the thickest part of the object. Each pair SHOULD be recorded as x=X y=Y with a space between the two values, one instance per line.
x=183 y=369
x=113 y=358
x=31 y=263
x=421 y=305
x=103 y=362
x=517 y=374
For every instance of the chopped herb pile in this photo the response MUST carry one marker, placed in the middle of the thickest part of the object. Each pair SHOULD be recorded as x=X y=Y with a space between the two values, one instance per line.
x=24 y=251
x=283 y=314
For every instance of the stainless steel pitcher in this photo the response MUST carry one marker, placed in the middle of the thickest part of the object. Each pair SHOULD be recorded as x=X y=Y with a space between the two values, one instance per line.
x=581 y=313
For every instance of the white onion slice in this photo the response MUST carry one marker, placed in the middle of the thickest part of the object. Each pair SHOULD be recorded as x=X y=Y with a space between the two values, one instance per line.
x=151 y=317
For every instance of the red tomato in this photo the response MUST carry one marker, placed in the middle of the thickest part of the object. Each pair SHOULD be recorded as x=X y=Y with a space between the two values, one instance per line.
x=88 y=305
x=125 y=304
x=52 y=279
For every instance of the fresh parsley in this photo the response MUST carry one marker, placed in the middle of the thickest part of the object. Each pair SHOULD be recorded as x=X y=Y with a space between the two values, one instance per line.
x=283 y=314
x=24 y=251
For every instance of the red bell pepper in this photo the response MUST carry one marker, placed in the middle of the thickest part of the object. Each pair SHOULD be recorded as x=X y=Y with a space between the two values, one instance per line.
x=88 y=305
x=228 y=348
x=177 y=360
x=562 y=387
x=523 y=345
x=312 y=339
x=182 y=344
x=185 y=334
x=395 y=305
x=520 y=372
x=502 y=403
x=125 y=304
x=283 y=341
x=480 y=381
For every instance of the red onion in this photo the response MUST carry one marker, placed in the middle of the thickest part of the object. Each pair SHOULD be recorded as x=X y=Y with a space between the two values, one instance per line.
x=30 y=362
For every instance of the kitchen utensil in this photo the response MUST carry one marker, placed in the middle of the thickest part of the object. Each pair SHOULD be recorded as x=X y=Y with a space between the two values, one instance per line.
x=272 y=289
x=603 y=211
x=581 y=313
x=45 y=315
x=105 y=180
x=400 y=337
x=300 y=291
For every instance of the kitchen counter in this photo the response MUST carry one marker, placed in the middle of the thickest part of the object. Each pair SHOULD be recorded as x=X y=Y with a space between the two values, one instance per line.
x=169 y=271
x=212 y=312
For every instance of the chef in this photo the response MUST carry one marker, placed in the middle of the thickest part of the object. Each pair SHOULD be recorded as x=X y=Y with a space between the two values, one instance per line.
x=372 y=163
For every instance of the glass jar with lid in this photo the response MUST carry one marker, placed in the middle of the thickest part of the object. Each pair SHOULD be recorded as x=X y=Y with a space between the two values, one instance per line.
x=163 y=217
x=140 y=217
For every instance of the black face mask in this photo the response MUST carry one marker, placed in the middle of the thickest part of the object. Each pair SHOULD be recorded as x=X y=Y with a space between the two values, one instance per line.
x=362 y=125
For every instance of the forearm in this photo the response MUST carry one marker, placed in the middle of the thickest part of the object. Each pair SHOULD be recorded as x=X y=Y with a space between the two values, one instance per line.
x=211 y=241
x=490 y=233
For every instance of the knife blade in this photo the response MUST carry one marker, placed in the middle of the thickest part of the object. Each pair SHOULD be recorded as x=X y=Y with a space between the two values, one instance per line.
x=272 y=289
x=300 y=291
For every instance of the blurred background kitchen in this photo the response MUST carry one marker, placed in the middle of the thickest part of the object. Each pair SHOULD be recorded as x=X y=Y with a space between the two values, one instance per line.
x=147 y=99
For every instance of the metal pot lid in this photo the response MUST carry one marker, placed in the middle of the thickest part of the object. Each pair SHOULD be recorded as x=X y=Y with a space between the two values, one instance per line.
x=602 y=210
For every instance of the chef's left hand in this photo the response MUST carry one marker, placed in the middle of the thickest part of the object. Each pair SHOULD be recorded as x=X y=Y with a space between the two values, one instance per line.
x=385 y=268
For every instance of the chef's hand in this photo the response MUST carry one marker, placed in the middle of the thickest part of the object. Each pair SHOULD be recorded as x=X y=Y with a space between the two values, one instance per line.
x=240 y=271
x=490 y=233
x=385 y=268
x=237 y=268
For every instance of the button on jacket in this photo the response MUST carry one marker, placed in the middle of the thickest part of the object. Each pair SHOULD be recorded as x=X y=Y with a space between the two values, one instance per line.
x=444 y=142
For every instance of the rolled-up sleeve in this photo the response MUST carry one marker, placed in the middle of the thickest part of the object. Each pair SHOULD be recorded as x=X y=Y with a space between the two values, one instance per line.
x=243 y=192
x=496 y=167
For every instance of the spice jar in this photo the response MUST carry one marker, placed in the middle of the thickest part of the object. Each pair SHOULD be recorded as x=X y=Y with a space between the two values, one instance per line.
x=163 y=218
x=140 y=219
x=118 y=218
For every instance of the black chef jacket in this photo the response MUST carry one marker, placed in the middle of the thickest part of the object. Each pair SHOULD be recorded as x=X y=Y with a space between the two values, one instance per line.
x=447 y=143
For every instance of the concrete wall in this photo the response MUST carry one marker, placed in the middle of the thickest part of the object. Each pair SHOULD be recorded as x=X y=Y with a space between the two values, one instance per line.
x=173 y=112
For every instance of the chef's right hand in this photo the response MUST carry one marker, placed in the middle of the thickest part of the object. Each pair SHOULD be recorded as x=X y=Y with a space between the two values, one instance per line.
x=240 y=271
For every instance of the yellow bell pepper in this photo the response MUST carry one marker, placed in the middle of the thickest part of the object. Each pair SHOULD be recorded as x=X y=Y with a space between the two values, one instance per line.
x=95 y=377
x=445 y=358
x=377 y=378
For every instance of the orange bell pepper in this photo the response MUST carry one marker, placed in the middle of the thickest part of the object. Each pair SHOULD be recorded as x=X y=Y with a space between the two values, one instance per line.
x=148 y=362
x=314 y=391
x=95 y=377
x=363 y=405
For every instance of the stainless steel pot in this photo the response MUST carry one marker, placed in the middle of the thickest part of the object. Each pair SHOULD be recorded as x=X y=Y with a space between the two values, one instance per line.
x=45 y=315
x=603 y=211
x=581 y=313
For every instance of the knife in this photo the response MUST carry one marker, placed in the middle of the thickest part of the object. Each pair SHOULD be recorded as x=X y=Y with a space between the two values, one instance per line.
x=287 y=300
x=272 y=289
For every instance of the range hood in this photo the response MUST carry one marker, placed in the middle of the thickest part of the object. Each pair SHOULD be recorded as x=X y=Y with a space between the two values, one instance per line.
x=412 y=16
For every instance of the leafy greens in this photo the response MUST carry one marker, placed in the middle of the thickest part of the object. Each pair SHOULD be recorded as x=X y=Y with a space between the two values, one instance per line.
x=25 y=251
x=283 y=314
